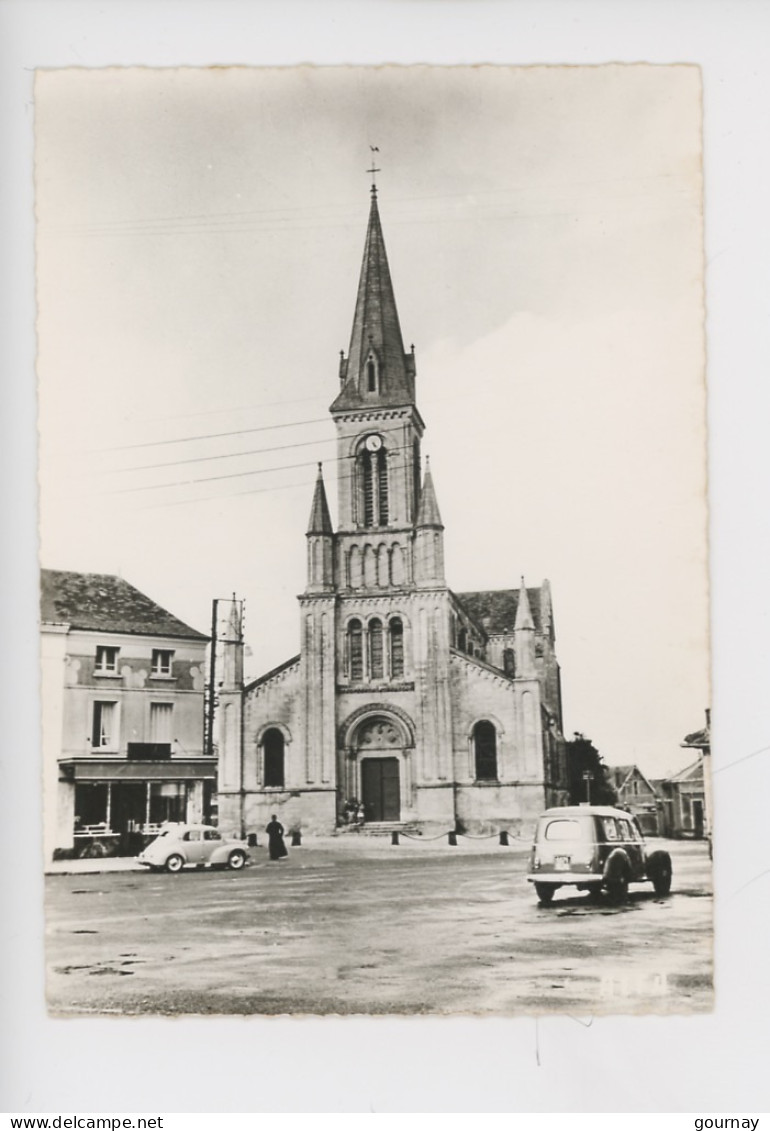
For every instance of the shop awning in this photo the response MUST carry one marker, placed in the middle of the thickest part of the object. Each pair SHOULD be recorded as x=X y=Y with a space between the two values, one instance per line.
x=167 y=769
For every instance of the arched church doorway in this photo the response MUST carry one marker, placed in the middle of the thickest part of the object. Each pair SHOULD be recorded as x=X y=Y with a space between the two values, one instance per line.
x=379 y=743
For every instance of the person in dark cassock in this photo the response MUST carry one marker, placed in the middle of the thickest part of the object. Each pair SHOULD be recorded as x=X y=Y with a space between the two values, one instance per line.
x=276 y=845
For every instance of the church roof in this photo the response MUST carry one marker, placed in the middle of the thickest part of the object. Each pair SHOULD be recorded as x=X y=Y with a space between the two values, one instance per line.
x=320 y=519
x=101 y=602
x=376 y=332
x=495 y=609
x=428 y=513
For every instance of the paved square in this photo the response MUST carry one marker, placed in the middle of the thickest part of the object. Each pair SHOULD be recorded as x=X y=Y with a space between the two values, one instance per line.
x=360 y=926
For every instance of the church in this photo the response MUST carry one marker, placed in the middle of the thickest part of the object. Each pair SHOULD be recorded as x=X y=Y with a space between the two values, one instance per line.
x=416 y=707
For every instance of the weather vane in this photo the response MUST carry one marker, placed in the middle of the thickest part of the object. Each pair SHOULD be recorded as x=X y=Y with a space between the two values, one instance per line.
x=374 y=169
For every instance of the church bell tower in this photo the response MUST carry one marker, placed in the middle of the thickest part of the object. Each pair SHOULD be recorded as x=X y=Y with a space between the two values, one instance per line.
x=379 y=428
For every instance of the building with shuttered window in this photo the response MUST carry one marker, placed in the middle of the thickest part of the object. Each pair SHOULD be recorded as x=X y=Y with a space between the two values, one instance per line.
x=122 y=691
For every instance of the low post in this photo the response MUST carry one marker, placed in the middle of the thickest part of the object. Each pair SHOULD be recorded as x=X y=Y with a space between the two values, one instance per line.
x=394 y=838
x=251 y=840
x=453 y=839
x=296 y=839
x=504 y=838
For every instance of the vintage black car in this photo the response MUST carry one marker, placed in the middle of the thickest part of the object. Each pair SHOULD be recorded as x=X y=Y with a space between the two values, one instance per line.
x=594 y=848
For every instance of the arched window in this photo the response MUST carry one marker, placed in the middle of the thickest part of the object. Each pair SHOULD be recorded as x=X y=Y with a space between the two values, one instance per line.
x=509 y=663
x=273 y=747
x=462 y=640
x=382 y=485
x=370 y=567
x=383 y=566
x=396 y=633
x=376 y=669
x=368 y=488
x=397 y=572
x=371 y=376
x=355 y=652
x=485 y=750
x=355 y=568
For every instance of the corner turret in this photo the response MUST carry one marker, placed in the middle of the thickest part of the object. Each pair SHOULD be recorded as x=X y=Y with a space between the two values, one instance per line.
x=320 y=541
x=524 y=637
x=428 y=538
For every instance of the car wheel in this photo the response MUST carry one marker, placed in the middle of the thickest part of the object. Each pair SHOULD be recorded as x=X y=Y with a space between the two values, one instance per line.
x=545 y=892
x=174 y=863
x=236 y=860
x=659 y=871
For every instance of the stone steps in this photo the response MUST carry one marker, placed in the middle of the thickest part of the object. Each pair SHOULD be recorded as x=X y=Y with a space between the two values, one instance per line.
x=378 y=828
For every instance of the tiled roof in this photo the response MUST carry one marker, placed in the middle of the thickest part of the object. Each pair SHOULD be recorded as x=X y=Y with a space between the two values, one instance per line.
x=689 y=773
x=498 y=608
x=102 y=602
x=621 y=774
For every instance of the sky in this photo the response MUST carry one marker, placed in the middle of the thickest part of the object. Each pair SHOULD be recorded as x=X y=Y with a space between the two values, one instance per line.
x=199 y=240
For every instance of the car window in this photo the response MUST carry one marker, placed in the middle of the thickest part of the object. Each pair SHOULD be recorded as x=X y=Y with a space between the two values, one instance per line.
x=211 y=834
x=192 y=834
x=610 y=829
x=630 y=831
x=562 y=829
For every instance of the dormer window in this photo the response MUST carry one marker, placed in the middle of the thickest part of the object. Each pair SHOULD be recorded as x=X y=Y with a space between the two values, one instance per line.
x=106 y=660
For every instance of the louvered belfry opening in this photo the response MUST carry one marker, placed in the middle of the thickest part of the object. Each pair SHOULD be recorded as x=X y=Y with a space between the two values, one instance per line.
x=373 y=476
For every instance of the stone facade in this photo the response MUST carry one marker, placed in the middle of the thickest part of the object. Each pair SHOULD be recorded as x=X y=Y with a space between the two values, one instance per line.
x=428 y=709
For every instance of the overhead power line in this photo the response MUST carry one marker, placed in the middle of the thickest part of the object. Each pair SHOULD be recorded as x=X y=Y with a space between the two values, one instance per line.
x=231 y=475
x=228 y=455
x=213 y=435
x=303 y=485
x=221 y=455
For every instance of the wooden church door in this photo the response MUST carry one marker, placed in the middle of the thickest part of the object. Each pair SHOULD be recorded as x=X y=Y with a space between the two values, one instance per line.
x=381 y=789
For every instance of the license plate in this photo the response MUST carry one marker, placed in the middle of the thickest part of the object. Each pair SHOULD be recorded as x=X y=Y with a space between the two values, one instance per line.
x=561 y=863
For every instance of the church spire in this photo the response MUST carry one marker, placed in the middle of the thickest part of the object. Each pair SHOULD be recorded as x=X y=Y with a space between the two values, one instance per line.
x=428 y=513
x=377 y=372
x=320 y=519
